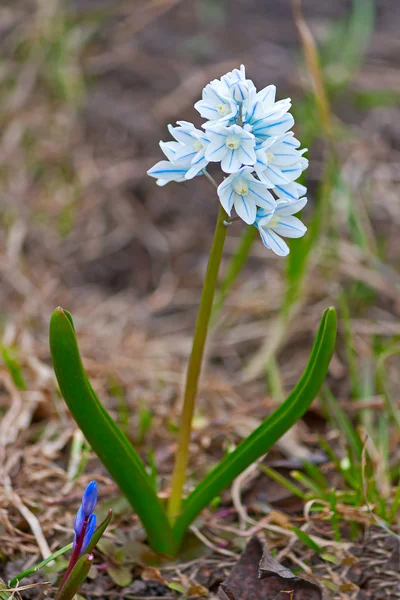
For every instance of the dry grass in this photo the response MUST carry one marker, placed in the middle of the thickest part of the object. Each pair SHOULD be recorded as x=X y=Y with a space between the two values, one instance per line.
x=84 y=102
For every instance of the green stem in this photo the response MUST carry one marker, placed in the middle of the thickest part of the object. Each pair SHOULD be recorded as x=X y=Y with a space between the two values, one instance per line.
x=194 y=367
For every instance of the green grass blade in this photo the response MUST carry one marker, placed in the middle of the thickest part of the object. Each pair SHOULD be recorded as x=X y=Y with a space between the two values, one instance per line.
x=344 y=424
x=103 y=434
x=75 y=578
x=284 y=481
x=307 y=540
x=4 y=594
x=12 y=364
x=14 y=582
x=352 y=35
x=261 y=440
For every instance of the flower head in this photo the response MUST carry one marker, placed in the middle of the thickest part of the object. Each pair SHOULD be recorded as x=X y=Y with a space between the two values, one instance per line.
x=85 y=520
x=272 y=224
x=245 y=193
x=249 y=133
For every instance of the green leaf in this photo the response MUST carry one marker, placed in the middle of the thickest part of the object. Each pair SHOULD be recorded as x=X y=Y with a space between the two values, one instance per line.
x=17 y=578
x=120 y=574
x=344 y=424
x=306 y=539
x=75 y=578
x=98 y=532
x=271 y=430
x=11 y=361
x=4 y=594
x=103 y=434
x=328 y=557
x=352 y=35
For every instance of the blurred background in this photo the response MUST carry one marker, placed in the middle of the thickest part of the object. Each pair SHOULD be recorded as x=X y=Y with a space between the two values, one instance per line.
x=87 y=88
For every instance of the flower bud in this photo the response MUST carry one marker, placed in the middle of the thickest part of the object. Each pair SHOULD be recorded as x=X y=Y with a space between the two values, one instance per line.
x=89 y=532
x=89 y=498
x=79 y=521
x=240 y=90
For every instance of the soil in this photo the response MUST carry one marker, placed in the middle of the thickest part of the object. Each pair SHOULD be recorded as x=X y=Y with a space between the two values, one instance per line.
x=128 y=260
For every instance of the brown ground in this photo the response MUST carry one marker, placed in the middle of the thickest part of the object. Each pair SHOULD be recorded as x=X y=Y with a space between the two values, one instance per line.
x=82 y=226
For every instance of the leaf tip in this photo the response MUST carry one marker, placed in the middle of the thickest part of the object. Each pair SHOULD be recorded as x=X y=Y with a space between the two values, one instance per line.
x=59 y=314
x=331 y=313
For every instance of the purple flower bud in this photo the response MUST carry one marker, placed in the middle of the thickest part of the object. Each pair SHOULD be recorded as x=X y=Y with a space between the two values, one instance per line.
x=89 y=532
x=89 y=498
x=79 y=521
x=74 y=542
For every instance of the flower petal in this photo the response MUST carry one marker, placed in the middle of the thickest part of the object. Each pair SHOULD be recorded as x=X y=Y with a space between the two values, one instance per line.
x=199 y=163
x=267 y=94
x=290 y=207
x=207 y=110
x=216 y=152
x=292 y=172
x=289 y=190
x=170 y=149
x=261 y=196
x=245 y=208
x=290 y=227
x=275 y=174
x=272 y=241
x=231 y=161
x=166 y=171
x=246 y=152
x=274 y=127
x=184 y=156
x=226 y=196
x=181 y=134
x=264 y=216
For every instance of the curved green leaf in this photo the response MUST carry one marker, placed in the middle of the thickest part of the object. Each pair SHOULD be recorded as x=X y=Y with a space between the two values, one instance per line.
x=14 y=582
x=103 y=434
x=261 y=440
x=75 y=578
x=98 y=532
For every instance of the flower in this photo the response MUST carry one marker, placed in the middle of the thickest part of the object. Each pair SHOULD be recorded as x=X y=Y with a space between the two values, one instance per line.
x=89 y=498
x=249 y=133
x=216 y=105
x=279 y=222
x=233 y=146
x=186 y=156
x=85 y=520
x=236 y=84
x=244 y=192
x=279 y=161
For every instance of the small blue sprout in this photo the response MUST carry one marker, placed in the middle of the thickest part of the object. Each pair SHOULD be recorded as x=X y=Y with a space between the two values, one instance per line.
x=89 y=498
x=85 y=520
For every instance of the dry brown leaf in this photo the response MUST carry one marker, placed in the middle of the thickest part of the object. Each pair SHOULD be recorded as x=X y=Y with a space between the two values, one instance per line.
x=258 y=576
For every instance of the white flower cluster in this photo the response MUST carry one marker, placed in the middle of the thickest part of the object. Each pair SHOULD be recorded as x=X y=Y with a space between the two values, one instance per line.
x=248 y=133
